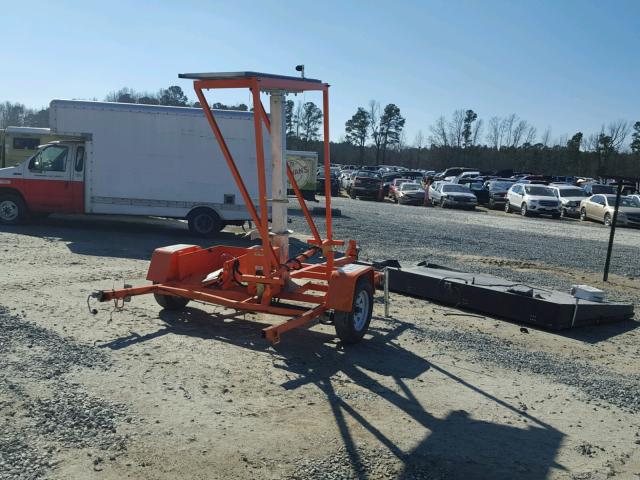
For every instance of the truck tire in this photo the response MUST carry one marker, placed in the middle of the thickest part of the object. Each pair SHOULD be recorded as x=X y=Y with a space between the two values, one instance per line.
x=204 y=222
x=13 y=210
x=351 y=326
x=169 y=302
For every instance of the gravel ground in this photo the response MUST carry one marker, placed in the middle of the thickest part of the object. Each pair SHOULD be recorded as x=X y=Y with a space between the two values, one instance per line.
x=430 y=394
x=44 y=411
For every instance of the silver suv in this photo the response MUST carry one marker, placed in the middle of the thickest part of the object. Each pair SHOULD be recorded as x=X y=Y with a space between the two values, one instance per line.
x=570 y=198
x=532 y=199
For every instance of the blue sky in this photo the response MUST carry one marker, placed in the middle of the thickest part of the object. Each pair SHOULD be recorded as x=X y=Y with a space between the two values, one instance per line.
x=568 y=65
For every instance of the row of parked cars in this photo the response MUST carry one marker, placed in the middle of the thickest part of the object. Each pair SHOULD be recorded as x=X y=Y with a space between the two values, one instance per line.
x=466 y=188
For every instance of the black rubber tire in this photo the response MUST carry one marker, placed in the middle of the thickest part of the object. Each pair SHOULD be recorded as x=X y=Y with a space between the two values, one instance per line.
x=15 y=204
x=344 y=321
x=204 y=222
x=607 y=220
x=507 y=207
x=169 y=302
x=441 y=203
x=492 y=204
x=524 y=211
x=583 y=215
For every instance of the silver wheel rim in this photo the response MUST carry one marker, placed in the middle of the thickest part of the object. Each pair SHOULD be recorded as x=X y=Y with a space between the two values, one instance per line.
x=8 y=210
x=360 y=310
x=607 y=221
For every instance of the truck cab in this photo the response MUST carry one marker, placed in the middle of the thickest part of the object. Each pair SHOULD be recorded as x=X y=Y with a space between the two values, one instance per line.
x=50 y=181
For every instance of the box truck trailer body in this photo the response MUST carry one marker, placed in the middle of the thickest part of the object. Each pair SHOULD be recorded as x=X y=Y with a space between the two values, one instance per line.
x=137 y=160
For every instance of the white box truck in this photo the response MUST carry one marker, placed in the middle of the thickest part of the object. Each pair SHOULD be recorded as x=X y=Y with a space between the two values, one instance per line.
x=129 y=159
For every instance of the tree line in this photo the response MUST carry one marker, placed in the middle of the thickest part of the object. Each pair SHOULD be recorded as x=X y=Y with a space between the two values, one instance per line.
x=375 y=136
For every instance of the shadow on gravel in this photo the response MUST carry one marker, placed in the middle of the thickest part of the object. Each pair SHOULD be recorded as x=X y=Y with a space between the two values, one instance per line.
x=457 y=445
x=119 y=237
x=599 y=333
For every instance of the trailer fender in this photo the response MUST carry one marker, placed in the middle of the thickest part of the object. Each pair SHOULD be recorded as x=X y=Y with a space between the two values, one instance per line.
x=342 y=285
x=164 y=262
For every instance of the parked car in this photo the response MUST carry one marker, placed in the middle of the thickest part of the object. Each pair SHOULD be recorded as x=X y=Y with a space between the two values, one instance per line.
x=394 y=186
x=449 y=194
x=335 y=181
x=452 y=172
x=601 y=207
x=410 y=193
x=599 y=189
x=463 y=175
x=494 y=193
x=532 y=199
x=570 y=198
x=433 y=186
x=366 y=184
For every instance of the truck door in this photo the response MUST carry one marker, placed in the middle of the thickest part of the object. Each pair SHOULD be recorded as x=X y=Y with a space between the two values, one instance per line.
x=47 y=186
x=77 y=180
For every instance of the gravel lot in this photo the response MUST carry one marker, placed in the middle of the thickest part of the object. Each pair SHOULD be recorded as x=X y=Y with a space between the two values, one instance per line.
x=432 y=393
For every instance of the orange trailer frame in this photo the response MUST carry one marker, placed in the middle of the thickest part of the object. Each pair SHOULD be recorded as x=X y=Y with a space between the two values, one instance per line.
x=255 y=279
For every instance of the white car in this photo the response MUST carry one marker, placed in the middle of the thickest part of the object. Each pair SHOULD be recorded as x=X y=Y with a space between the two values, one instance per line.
x=570 y=198
x=410 y=193
x=433 y=187
x=448 y=194
x=531 y=199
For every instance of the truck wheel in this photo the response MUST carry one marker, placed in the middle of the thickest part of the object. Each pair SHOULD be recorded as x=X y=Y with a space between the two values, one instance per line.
x=204 y=222
x=13 y=210
x=169 y=302
x=351 y=326
x=507 y=207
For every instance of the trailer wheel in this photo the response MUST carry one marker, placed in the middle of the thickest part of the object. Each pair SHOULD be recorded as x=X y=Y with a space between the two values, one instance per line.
x=204 y=222
x=13 y=210
x=169 y=302
x=351 y=326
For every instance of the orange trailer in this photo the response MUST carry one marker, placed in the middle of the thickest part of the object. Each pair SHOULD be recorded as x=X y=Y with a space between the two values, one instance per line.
x=264 y=279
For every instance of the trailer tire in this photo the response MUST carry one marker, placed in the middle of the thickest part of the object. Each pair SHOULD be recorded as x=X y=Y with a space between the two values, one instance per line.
x=13 y=210
x=351 y=326
x=204 y=222
x=169 y=302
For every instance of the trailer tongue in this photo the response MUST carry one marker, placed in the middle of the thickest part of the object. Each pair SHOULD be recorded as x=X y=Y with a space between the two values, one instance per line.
x=264 y=279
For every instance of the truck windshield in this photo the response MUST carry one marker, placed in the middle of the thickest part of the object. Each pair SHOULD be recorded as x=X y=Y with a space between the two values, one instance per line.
x=50 y=159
